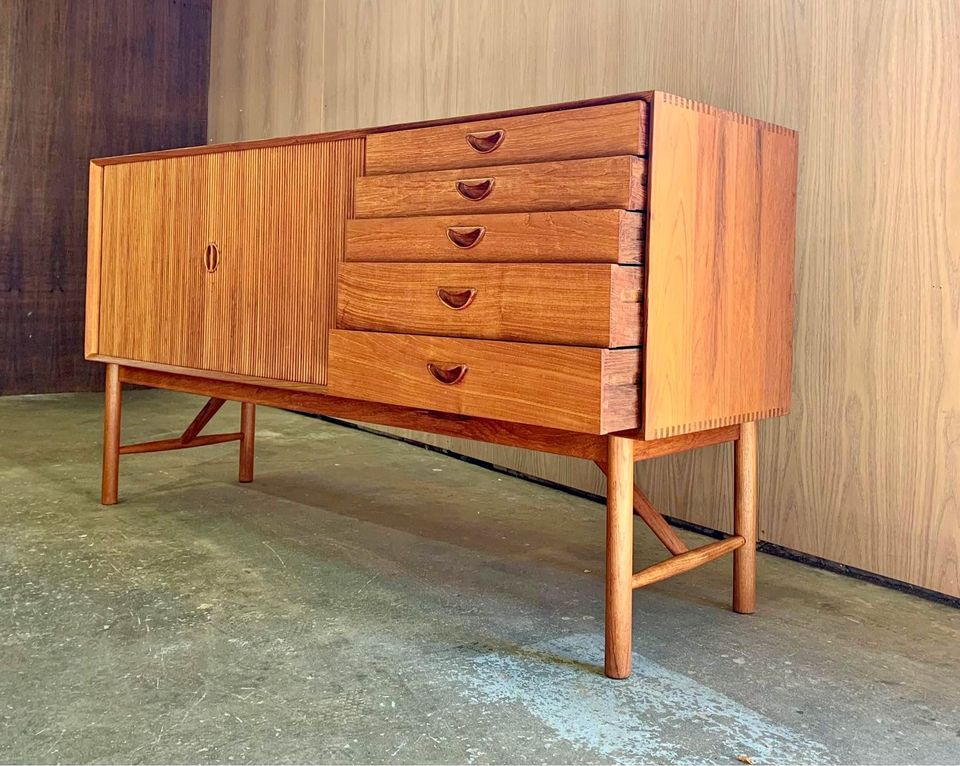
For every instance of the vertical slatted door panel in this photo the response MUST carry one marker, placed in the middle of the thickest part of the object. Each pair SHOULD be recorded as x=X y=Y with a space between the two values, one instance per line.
x=116 y=270
x=234 y=202
x=151 y=288
x=342 y=163
x=307 y=195
x=180 y=273
x=281 y=215
x=285 y=336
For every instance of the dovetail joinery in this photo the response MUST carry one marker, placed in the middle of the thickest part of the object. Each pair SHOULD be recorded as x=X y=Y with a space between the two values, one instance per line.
x=706 y=425
x=719 y=291
x=699 y=106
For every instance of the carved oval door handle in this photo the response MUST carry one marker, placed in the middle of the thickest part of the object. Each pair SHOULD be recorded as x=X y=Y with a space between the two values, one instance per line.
x=485 y=142
x=465 y=237
x=456 y=299
x=211 y=257
x=449 y=376
x=475 y=189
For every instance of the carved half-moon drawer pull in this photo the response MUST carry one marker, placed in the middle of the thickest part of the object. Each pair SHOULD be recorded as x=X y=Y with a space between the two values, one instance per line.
x=449 y=376
x=456 y=299
x=465 y=237
x=475 y=189
x=484 y=143
x=211 y=257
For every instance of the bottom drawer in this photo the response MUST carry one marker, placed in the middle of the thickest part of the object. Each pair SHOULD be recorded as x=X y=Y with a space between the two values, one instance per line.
x=591 y=390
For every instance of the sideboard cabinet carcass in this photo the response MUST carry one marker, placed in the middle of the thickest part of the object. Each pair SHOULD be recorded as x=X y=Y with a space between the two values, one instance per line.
x=609 y=279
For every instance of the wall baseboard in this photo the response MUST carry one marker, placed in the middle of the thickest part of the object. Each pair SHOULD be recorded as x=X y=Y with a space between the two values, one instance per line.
x=764 y=547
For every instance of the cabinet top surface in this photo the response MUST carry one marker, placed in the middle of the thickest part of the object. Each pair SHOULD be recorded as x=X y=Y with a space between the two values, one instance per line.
x=649 y=96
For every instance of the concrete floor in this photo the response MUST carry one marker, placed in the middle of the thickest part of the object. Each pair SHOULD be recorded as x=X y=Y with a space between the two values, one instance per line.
x=366 y=601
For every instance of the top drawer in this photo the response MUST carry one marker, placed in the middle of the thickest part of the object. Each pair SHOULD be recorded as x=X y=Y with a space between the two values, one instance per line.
x=593 y=131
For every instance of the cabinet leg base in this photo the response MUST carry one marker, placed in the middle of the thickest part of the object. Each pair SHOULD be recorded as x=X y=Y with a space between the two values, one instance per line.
x=745 y=520
x=618 y=614
x=623 y=500
x=110 y=476
x=191 y=437
x=248 y=419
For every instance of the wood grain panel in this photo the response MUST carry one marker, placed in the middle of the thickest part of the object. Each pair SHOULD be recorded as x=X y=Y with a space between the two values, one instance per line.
x=616 y=182
x=308 y=196
x=151 y=284
x=863 y=469
x=577 y=305
x=79 y=80
x=228 y=298
x=553 y=440
x=596 y=131
x=719 y=300
x=277 y=215
x=283 y=91
x=573 y=236
x=577 y=389
x=91 y=332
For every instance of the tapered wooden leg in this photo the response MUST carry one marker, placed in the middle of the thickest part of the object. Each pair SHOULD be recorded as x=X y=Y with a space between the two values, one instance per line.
x=745 y=520
x=248 y=413
x=111 y=437
x=619 y=574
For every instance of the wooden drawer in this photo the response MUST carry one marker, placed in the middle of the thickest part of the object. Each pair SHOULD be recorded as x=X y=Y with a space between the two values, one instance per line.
x=594 y=131
x=590 y=390
x=606 y=182
x=577 y=305
x=574 y=236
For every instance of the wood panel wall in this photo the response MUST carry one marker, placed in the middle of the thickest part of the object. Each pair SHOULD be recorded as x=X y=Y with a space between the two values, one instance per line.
x=79 y=79
x=865 y=469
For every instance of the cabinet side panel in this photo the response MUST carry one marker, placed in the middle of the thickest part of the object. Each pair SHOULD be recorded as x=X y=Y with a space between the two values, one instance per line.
x=91 y=332
x=722 y=217
x=114 y=282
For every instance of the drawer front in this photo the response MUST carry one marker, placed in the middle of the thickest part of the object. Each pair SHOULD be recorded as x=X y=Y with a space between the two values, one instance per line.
x=580 y=389
x=578 y=305
x=607 y=182
x=595 y=131
x=573 y=236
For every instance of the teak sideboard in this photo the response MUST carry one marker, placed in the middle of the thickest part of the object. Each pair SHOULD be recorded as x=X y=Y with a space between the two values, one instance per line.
x=609 y=279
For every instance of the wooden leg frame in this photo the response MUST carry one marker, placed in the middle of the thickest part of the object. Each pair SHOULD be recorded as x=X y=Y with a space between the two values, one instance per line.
x=191 y=437
x=624 y=500
x=616 y=455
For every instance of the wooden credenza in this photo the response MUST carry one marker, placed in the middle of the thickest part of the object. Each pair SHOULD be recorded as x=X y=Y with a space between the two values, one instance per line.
x=609 y=279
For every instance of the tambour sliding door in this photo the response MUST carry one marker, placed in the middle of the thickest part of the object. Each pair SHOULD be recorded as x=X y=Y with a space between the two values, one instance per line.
x=229 y=288
x=306 y=198
x=152 y=260
x=227 y=261
x=277 y=220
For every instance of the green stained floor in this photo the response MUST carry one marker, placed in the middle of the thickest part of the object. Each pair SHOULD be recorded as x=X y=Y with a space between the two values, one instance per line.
x=367 y=601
